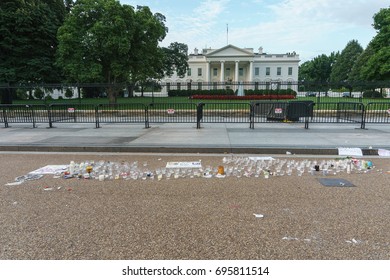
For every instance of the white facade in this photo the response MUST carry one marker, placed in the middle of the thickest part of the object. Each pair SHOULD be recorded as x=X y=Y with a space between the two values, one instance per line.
x=233 y=64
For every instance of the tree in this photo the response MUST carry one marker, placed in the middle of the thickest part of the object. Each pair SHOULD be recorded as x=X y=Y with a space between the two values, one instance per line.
x=147 y=57
x=28 y=40
x=104 y=41
x=175 y=59
x=318 y=69
x=343 y=65
x=374 y=63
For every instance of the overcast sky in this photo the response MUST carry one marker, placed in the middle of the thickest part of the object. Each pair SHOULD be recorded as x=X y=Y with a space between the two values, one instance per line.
x=308 y=27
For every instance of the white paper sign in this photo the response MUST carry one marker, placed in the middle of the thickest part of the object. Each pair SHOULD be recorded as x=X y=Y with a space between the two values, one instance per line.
x=260 y=158
x=350 y=152
x=50 y=169
x=383 y=153
x=194 y=164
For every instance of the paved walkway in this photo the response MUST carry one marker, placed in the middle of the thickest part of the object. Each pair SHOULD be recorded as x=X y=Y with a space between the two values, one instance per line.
x=273 y=138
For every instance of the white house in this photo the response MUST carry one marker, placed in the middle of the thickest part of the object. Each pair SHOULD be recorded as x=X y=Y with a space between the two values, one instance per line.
x=216 y=67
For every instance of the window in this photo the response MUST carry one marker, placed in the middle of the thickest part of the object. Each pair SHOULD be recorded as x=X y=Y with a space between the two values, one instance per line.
x=199 y=71
x=240 y=72
x=215 y=85
x=279 y=71
x=256 y=85
x=179 y=86
x=228 y=72
x=215 y=72
x=289 y=71
x=257 y=71
x=199 y=85
x=268 y=71
x=189 y=86
x=189 y=72
x=168 y=87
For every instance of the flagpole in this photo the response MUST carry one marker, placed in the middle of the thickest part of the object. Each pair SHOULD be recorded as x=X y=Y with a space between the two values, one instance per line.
x=227 y=34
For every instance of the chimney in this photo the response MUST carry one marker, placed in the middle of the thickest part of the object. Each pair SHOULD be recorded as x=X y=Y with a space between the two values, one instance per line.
x=195 y=51
x=261 y=50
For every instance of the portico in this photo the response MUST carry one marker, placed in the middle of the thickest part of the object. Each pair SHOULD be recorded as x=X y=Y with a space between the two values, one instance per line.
x=235 y=65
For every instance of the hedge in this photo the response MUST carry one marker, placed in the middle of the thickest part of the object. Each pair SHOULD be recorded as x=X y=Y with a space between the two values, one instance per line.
x=229 y=92
x=190 y=92
x=246 y=97
x=372 y=94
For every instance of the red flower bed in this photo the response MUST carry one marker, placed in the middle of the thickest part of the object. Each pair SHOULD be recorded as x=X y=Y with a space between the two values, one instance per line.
x=247 y=97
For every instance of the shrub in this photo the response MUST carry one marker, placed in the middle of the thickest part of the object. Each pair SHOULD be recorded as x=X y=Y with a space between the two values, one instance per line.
x=372 y=94
x=39 y=93
x=48 y=98
x=68 y=93
x=21 y=94
x=246 y=97
x=190 y=92
x=270 y=92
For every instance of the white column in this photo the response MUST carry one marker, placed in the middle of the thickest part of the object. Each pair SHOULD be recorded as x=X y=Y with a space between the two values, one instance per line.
x=250 y=71
x=222 y=71
x=208 y=72
x=236 y=72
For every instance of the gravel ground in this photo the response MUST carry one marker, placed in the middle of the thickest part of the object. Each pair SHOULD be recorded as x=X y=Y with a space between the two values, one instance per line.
x=190 y=218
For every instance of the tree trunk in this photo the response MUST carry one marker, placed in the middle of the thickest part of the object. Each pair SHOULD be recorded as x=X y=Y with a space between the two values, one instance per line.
x=6 y=96
x=130 y=90
x=112 y=95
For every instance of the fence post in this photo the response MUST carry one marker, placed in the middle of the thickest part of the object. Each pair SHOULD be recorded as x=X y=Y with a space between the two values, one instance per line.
x=252 y=116
x=32 y=115
x=146 y=117
x=5 y=117
x=364 y=114
x=49 y=115
x=199 y=114
x=97 y=124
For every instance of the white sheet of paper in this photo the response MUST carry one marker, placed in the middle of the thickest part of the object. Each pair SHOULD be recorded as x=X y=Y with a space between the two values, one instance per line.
x=383 y=153
x=186 y=164
x=50 y=169
x=350 y=152
x=260 y=158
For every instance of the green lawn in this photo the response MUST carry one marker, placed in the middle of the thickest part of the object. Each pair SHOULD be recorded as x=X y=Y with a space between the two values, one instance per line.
x=172 y=100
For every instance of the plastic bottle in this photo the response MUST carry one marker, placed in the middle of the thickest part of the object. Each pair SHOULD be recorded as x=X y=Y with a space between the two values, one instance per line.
x=71 y=168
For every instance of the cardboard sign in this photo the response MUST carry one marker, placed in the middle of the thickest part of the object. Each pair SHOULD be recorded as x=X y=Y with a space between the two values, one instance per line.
x=171 y=111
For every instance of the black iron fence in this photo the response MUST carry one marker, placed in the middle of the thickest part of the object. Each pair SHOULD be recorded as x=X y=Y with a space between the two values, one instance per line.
x=250 y=113
x=318 y=92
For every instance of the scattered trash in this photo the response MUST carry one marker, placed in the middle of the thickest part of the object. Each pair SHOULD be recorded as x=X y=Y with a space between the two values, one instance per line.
x=14 y=183
x=335 y=182
x=354 y=241
x=259 y=215
x=289 y=238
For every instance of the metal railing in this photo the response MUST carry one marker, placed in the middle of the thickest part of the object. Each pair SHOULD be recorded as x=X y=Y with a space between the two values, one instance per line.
x=376 y=112
x=256 y=112
x=172 y=113
x=72 y=113
x=225 y=113
x=121 y=113
x=23 y=114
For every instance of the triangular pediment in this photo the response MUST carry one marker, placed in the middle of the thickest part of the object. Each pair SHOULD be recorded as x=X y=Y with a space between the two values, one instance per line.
x=230 y=50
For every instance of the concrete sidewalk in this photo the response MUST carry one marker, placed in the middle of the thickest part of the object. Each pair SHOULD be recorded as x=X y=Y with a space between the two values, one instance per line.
x=272 y=138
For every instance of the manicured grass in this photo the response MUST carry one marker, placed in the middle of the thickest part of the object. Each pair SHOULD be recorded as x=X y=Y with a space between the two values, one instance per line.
x=171 y=100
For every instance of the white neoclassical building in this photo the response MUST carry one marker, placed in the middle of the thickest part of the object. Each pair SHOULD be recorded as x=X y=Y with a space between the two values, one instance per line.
x=217 y=67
